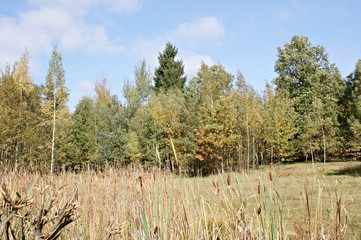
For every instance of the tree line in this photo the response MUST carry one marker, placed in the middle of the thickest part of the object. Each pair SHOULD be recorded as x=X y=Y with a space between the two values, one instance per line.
x=309 y=112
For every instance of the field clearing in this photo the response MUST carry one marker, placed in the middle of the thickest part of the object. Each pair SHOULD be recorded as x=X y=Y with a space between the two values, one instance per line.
x=292 y=201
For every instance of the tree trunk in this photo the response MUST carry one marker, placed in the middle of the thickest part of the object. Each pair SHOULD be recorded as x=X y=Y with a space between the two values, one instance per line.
x=53 y=137
x=312 y=159
x=324 y=144
x=253 y=153
x=248 y=142
x=16 y=155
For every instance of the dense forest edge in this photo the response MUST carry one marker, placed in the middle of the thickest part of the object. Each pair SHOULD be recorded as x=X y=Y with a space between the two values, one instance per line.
x=213 y=121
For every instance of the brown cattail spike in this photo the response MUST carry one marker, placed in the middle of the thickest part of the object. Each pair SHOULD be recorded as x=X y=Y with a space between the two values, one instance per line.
x=137 y=223
x=140 y=181
x=259 y=209
x=229 y=180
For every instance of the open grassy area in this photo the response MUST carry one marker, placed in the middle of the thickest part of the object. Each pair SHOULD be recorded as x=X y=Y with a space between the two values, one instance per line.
x=291 y=201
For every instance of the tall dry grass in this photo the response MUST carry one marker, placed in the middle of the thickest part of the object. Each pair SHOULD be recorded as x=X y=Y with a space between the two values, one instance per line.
x=272 y=203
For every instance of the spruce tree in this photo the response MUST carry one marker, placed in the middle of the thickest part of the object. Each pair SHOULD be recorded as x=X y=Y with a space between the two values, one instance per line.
x=170 y=73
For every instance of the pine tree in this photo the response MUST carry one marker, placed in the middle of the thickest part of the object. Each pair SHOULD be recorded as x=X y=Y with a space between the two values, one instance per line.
x=170 y=73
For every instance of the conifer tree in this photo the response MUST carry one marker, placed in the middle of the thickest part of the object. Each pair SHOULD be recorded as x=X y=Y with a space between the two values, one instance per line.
x=170 y=73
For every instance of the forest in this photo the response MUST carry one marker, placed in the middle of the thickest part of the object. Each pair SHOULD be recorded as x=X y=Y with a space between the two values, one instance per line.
x=213 y=121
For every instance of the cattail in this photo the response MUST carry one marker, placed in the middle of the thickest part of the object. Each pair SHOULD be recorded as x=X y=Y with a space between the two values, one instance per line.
x=137 y=223
x=259 y=187
x=140 y=181
x=155 y=230
x=259 y=209
x=215 y=184
x=270 y=176
x=229 y=180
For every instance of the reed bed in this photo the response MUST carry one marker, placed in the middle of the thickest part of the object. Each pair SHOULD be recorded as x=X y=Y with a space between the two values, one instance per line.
x=279 y=202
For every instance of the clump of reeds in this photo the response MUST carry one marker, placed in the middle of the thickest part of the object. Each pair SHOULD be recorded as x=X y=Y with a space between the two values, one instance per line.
x=138 y=204
x=22 y=218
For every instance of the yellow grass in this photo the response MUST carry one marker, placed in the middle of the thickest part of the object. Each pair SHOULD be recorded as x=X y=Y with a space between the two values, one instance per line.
x=286 y=201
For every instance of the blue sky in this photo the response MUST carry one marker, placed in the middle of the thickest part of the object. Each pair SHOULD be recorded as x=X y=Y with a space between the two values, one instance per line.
x=107 y=38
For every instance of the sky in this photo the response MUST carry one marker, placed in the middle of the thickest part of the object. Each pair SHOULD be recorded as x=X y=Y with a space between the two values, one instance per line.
x=108 y=38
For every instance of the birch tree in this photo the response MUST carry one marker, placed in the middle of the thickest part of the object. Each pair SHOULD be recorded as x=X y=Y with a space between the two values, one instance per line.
x=55 y=106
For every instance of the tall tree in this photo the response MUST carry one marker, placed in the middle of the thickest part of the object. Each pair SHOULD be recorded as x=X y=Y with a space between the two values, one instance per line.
x=249 y=106
x=110 y=125
x=170 y=73
x=20 y=115
x=83 y=134
x=214 y=133
x=137 y=94
x=138 y=146
x=351 y=110
x=55 y=102
x=315 y=88
x=279 y=126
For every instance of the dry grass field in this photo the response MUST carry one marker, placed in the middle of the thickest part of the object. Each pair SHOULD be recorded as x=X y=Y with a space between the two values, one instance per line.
x=294 y=201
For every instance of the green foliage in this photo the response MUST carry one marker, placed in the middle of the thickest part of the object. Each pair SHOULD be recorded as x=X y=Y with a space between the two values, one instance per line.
x=20 y=118
x=279 y=127
x=170 y=73
x=315 y=88
x=215 y=135
x=84 y=133
x=215 y=121
x=57 y=118
x=111 y=130
x=351 y=111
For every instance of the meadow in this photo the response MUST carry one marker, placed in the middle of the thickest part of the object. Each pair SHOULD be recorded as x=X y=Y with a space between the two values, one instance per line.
x=289 y=201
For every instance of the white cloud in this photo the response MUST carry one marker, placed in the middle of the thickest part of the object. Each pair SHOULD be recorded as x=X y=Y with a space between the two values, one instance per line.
x=192 y=63
x=61 y=23
x=123 y=6
x=86 y=86
x=203 y=30
x=149 y=49
x=82 y=6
